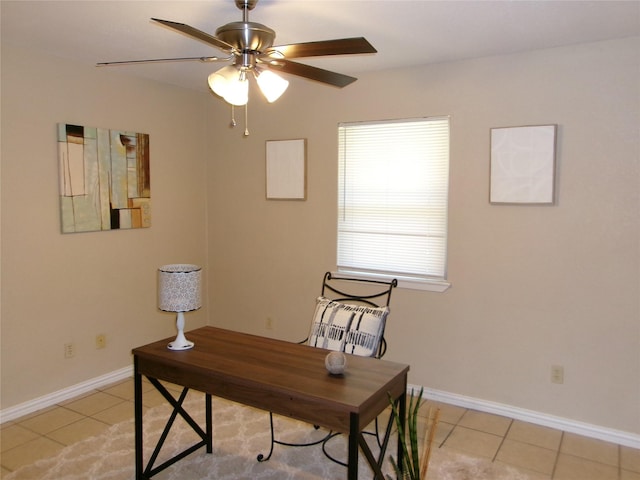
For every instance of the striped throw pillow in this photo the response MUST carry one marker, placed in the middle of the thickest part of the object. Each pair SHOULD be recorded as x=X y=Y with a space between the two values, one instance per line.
x=354 y=329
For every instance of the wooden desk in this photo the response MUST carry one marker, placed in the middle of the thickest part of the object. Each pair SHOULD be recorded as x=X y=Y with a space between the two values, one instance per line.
x=282 y=377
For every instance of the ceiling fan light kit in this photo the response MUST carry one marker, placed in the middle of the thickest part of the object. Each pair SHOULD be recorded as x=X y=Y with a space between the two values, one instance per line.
x=250 y=45
x=271 y=85
x=231 y=84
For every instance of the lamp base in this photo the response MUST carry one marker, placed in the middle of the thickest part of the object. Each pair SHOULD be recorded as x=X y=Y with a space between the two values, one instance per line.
x=181 y=342
x=176 y=345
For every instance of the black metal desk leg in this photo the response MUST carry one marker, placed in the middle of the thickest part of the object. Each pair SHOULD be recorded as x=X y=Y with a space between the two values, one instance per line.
x=402 y=411
x=209 y=423
x=137 y=385
x=354 y=433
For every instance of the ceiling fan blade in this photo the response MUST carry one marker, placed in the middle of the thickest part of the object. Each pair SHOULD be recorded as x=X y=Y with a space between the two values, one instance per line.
x=197 y=34
x=312 y=73
x=342 y=46
x=158 y=60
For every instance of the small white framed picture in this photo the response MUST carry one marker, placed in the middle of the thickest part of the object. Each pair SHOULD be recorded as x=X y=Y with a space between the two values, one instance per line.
x=286 y=164
x=523 y=165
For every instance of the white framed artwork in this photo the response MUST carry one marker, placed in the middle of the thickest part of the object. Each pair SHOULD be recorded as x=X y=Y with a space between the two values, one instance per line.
x=286 y=165
x=523 y=164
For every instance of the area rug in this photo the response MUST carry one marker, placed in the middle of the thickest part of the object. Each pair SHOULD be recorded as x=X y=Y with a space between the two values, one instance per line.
x=240 y=434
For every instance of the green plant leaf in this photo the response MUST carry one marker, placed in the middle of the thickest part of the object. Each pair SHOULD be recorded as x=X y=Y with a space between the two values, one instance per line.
x=408 y=440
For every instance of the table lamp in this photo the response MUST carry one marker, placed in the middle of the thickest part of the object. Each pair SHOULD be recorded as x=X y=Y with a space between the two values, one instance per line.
x=179 y=291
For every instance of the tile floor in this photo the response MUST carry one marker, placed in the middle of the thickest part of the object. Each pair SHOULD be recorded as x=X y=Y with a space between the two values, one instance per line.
x=543 y=453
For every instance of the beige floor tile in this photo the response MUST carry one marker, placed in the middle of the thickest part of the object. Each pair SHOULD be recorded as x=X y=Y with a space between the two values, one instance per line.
x=30 y=452
x=630 y=459
x=78 y=431
x=119 y=413
x=473 y=442
x=443 y=430
x=576 y=468
x=628 y=475
x=124 y=390
x=535 y=435
x=485 y=422
x=527 y=456
x=51 y=419
x=15 y=435
x=92 y=404
x=590 y=448
x=449 y=413
x=153 y=398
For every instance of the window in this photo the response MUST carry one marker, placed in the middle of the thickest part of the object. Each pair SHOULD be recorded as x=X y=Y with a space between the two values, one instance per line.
x=393 y=193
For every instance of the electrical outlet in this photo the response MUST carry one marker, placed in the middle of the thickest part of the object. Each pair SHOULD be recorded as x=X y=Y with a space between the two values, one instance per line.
x=101 y=340
x=268 y=324
x=69 y=350
x=557 y=374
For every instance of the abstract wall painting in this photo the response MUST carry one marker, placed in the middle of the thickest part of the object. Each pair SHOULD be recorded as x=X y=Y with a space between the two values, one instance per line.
x=104 y=179
x=523 y=164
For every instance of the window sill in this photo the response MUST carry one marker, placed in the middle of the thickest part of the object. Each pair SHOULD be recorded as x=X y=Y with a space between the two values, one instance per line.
x=438 y=286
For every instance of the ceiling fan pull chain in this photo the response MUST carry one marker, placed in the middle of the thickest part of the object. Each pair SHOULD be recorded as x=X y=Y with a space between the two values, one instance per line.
x=246 y=120
x=233 y=117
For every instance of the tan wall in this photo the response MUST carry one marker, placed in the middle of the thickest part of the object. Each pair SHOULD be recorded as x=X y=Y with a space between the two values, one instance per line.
x=532 y=286
x=67 y=288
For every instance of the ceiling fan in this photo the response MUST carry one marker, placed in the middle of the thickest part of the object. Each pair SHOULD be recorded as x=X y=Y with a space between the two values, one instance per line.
x=250 y=46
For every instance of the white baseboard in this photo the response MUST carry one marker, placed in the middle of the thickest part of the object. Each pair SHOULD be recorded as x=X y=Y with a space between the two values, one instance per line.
x=620 y=437
x=17 y=411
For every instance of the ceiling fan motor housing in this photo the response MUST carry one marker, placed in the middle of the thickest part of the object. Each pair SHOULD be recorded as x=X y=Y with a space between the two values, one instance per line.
x=247 y=36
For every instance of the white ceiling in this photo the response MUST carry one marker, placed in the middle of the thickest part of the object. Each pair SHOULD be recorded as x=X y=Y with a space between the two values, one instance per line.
x=405 y=33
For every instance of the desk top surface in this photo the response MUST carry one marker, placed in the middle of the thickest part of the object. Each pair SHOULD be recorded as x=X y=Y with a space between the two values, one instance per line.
x=270 y=373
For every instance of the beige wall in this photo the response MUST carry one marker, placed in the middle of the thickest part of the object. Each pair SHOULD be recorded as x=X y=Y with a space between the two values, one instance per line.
x=532 y=286
x=67 y=288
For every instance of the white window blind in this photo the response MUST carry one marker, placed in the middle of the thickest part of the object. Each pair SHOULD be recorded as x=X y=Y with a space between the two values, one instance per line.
x=393 y=195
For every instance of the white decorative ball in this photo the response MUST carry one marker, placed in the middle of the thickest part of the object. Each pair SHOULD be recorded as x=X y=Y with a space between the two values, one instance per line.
x=335 y=362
